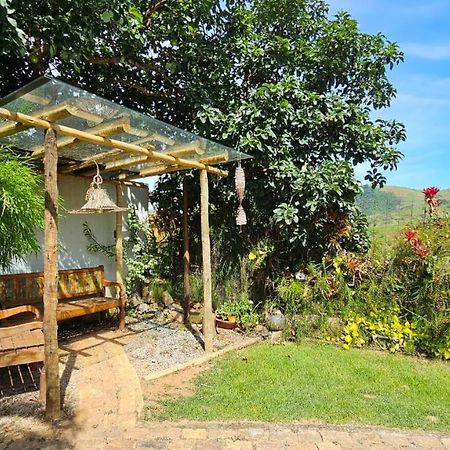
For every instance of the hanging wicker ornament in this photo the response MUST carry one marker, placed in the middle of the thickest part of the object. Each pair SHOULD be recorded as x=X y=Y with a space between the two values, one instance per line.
x=239 y=181
x=97 y=199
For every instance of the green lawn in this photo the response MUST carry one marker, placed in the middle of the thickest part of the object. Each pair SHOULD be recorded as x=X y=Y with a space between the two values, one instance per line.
x=320 y=383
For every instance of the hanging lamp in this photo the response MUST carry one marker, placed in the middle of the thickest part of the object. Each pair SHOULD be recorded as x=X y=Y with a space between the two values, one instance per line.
x=239 y=181
x=97 y=199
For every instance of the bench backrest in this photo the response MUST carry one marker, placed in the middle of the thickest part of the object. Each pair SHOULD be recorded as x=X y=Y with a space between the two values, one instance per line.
x=28 y=288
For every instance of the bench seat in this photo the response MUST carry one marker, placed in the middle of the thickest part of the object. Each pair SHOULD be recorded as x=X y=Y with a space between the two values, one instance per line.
x=68 y=309
x=80 y=292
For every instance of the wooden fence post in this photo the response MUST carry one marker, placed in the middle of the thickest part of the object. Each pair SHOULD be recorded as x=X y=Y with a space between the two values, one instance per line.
x=186 y=255
x=119 y=251
x=51 y=360
x=209 y=328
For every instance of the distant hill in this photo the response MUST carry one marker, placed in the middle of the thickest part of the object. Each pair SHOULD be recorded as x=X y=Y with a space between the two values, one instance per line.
x=397 y=205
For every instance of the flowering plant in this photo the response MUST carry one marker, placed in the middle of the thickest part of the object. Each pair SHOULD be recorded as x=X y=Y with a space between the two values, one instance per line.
x=420 y=249
x=430 y=199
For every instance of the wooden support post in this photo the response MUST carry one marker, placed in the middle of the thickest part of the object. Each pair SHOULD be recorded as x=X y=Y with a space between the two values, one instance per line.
x=209 y=328
x=119 y=254
x=186 y=255
x=51 y=360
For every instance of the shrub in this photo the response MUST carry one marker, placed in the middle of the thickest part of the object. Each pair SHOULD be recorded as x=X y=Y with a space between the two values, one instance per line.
x=21 y=208
x=398 y=303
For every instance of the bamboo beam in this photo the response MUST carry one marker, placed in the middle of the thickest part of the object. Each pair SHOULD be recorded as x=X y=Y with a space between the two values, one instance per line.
x=209 y=329
x=187 y=148
x=168 y=168
x=89 y=162
x=44 y=101
x=186 y=255
x=87 y=137
x=50 y=327
x=105 y=129
x=155 y=137
x=119 y=251
x=52 y=113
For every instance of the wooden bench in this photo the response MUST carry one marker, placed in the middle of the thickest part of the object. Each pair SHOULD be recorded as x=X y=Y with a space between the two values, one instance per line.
x=22 y=343
x=80 y=292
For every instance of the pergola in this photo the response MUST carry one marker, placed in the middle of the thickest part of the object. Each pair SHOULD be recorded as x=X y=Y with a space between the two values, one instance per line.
x=83 y=130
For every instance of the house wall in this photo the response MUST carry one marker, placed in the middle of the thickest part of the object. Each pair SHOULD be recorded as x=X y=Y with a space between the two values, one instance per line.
x=73 y=244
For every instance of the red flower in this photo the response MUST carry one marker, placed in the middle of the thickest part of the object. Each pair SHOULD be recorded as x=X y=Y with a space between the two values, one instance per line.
x=410 y=235
x=430 y=192
x=421 y=250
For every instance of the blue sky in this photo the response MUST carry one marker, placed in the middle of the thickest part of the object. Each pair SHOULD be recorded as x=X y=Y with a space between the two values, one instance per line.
x=422 y=29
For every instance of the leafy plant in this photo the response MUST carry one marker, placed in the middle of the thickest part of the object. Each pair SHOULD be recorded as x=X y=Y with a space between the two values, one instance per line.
x=242 y=307
x=145 y=258
x=387 y=333
x=21 y=208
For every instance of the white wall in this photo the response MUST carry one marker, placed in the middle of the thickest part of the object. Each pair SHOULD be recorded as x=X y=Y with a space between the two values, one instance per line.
x=73 y=251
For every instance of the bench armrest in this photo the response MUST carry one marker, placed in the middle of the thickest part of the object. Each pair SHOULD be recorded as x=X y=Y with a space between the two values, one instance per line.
x=5 y=313
x=118 y=286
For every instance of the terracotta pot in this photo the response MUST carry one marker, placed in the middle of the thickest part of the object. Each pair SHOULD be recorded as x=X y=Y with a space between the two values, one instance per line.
x=226 y=324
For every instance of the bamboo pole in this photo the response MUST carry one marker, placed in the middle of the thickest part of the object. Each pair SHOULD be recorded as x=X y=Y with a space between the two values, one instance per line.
x=119 y=252
x=94 y=139
x=209 y=328
x=52 y=388
x=186 y=255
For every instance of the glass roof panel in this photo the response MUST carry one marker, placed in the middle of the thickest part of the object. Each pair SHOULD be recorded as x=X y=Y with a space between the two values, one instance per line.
x=68 y=105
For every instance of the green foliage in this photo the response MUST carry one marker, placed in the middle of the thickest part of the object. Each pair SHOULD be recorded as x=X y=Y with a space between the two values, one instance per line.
x=242 y=308
x=158 y=288
x=12 y=38
x=386 y=333
x=145 y=258
x=97 y=247
x=282 y=80
x=400 y=302
x=21 y=208
x=196 y=282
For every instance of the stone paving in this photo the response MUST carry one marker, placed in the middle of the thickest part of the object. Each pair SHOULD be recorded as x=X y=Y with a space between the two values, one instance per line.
x=259 y=436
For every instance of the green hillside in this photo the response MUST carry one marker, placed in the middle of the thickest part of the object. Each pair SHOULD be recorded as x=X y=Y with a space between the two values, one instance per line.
x=393 y=208
x=395 y=205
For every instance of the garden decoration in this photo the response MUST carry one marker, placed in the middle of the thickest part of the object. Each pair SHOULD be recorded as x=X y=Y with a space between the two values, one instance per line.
x=239 y=181
x=97 y=199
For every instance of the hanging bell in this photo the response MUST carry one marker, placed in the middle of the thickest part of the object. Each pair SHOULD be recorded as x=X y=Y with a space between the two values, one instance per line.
x=97 y=199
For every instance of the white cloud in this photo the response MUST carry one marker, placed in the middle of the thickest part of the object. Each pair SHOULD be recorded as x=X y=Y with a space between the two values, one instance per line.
x=427 y=51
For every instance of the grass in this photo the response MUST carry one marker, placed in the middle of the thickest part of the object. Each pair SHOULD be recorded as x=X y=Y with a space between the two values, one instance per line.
x=319 y=383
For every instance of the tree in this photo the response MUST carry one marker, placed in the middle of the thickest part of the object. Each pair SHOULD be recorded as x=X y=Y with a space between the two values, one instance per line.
x=12 y=38
x=298 y=91
x=278 y=79
x=21 y=208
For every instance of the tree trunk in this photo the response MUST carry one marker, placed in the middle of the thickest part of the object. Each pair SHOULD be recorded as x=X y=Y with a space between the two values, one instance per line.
x=186 y=255
x=119 y=254
x=209 y=328
x=52 y=395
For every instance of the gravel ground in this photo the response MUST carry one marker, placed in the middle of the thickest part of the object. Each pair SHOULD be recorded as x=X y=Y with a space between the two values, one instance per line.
x=157 y=347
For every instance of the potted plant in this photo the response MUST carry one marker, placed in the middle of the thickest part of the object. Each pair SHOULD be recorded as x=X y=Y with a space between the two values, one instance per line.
x=226 y=316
